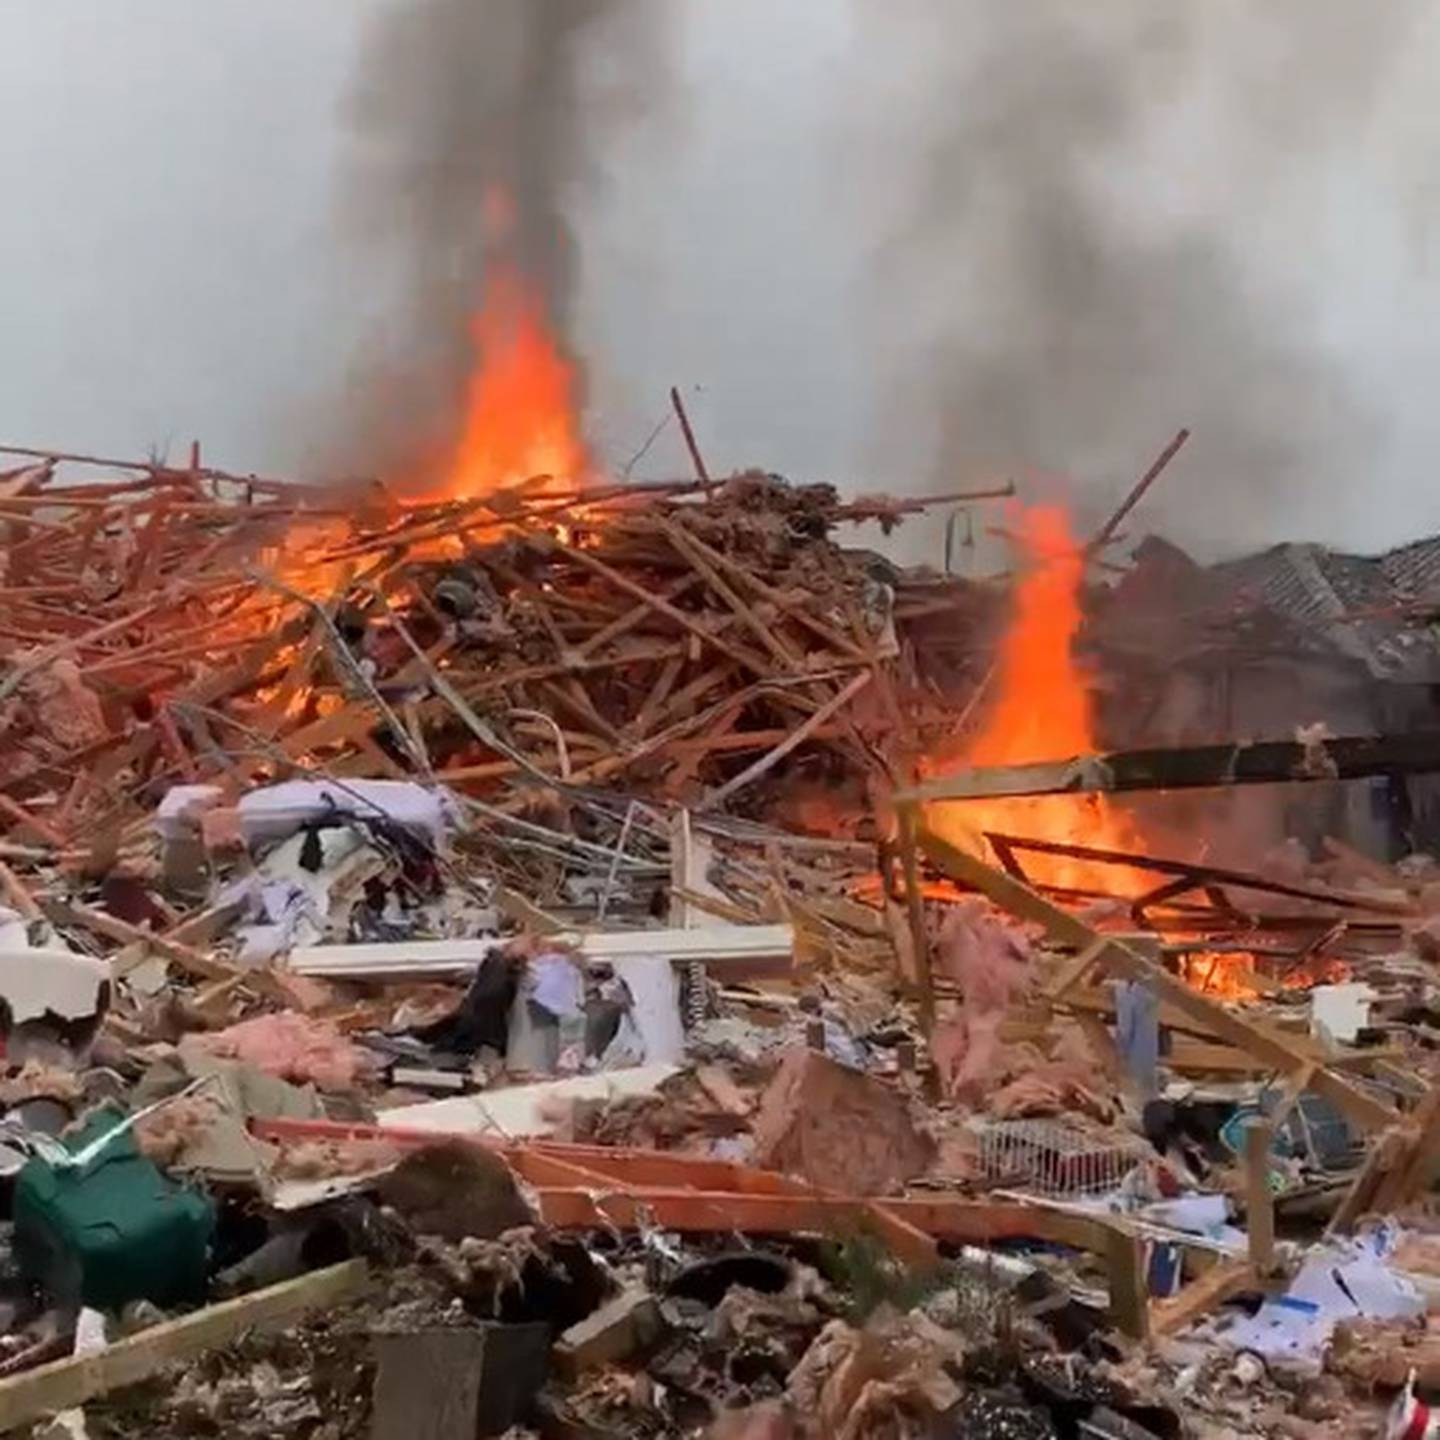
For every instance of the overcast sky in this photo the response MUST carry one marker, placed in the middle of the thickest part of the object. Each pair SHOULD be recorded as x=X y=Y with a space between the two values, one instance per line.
x=172 y=264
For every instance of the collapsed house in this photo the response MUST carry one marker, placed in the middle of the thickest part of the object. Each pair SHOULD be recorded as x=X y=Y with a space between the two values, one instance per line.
x=1295 y=634
x=617 y=961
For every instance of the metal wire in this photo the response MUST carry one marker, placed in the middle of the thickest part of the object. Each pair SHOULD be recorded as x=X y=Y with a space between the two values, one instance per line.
x=1052 y=1158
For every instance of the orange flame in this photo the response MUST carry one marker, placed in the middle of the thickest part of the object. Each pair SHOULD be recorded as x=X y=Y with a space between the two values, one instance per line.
x=1227 y=976
x=520 y=425
x=1041 y=710
x=1235 y=975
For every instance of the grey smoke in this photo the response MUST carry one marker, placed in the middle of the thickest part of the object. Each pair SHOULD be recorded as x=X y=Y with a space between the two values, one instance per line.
x=455 y=100
x=806 y=214
x=1100 y=244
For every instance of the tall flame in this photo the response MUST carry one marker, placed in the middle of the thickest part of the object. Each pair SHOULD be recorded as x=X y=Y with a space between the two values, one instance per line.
x=520 y=424
x=1040 y=709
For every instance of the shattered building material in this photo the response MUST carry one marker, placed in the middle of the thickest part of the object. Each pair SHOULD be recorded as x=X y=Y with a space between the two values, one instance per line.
x=745 y=950
x=457 y=1381
x=838 y=1129
x=629 y=1323
x=64 y=1384
x=41 y=981
x=393 y=799
x=519 y=1110
x=1267 y=1043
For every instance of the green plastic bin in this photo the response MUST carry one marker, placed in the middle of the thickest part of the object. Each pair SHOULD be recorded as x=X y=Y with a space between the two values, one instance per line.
x=113 y=1230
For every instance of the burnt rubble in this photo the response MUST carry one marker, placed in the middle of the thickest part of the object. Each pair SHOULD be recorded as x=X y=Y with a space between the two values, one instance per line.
x=543 y=964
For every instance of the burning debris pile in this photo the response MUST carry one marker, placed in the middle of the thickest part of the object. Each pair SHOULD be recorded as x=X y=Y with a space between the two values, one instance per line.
x=609 y=958
x=159 y=632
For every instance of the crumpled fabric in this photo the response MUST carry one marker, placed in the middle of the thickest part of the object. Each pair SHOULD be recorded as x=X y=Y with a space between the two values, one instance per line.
x=555 y=983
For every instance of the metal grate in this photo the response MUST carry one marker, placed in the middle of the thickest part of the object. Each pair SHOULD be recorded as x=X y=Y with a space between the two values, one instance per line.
x=1052 y=1158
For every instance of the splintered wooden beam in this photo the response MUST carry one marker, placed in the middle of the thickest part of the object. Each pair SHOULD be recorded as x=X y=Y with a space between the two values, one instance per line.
x=691 y=444
x=786 y=603
x=633 y=617
x=767 y=635
x=1271 y=1046
x=67 y=1384
x=1189 y=875
x=1259 y=1197
x=663 y=607
x=1103 y=535
x=1220 y=1283
x=1265 y=762
x=798 y=737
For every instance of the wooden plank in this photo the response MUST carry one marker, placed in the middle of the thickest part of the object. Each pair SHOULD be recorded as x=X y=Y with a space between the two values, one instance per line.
x=1295 y=1087
x=767 y=635
x=915 y=913
x=659 y=692
x=1199 y=1055
x=689 y=695
x=25 y=820
x=688 y=763
x=1411 y=1177
x=797 y=737
x=1259 y=1198
x=1103 y=535
x=1386 y=1152
x=66 y=1384
x=1075 y=970
x=663 y=607
x=18 y=895
x=904 y=1240
x=187 y=957
x=1220 y=1283
x=1267 y=1044
x=1129 y=1308
x=631 y=618
x=1204 y=1057
x=781 y=601
x=734 y=948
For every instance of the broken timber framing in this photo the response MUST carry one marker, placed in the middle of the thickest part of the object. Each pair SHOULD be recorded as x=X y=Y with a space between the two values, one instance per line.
x=1265 y=762
x=1187 y=875
x=1272 y=1047
x=68 y=1383
x=586 y=1187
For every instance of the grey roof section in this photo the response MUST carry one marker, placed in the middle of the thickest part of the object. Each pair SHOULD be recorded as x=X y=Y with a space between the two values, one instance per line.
x=1414 y=569
x=1365 y=604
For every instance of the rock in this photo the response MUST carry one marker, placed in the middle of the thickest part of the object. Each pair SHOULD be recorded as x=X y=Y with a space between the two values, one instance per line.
x=457 y=1384
x=624 y=1326
x=455 y=1190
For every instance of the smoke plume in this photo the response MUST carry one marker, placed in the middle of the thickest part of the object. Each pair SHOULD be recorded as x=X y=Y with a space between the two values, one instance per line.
x=1102 y=241
x=477 y=124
